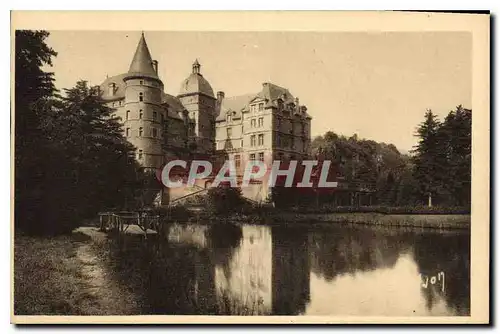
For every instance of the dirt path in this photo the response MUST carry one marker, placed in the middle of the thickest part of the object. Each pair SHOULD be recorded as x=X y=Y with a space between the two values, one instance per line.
x=111 y=298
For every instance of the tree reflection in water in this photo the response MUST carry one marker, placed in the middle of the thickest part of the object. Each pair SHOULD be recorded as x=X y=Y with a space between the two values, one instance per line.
x=255 y=269
x=449 y=254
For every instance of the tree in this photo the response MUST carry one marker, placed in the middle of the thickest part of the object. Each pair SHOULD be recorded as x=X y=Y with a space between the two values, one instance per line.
x=34 y=97
x=427 y=159
x=456 y=135
x=224 y=199
x=91 y=143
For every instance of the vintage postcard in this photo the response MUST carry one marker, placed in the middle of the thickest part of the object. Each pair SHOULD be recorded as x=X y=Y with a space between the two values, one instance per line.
x=250 y=167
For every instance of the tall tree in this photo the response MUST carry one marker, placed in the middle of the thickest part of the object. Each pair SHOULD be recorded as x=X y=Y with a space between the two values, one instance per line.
x=456 y=135
x=427 y=160
x=34 y=96
x=91 y=142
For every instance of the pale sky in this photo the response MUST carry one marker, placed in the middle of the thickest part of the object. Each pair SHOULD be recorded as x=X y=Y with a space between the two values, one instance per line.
x=377 y=85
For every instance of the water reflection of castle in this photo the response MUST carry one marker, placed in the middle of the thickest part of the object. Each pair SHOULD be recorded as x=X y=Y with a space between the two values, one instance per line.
x=276 y=284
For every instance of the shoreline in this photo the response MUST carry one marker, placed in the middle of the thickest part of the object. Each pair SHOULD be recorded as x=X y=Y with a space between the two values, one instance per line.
x=431 y=221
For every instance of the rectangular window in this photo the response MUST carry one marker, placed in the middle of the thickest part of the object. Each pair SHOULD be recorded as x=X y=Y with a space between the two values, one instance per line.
x=229 y=118
x=141 y=97
x=261 y=139
x=140 y=132
x=161 y=118
x=278 y=140
x=154 y=132
x=278 y=122
x=261 y=156
x=127 y=132
x=252 y=140
x=139 y=156
x=155 y=114
x=229 y=132
x=237 y=161
x=127 y=116
x=141 y=82
x=252 y=123
x=252 y=156
x=261 y=106
x=261 y=122
x=140 y=114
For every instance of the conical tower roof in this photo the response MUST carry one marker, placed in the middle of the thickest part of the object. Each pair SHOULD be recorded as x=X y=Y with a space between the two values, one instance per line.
x=142 y=63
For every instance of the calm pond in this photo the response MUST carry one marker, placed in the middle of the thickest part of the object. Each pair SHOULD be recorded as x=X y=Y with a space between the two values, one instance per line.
x=316 y=270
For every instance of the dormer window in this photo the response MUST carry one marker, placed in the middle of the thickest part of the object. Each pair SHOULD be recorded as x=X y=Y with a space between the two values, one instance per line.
x=261 y=106
x=229 y=118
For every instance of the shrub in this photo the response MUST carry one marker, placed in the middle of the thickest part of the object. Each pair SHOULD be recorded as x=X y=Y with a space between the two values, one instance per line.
x=224 y=200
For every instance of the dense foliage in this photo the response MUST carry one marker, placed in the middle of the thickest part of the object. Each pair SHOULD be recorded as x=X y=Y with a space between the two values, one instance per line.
x=442 y=160
x=439 y=167
x=71 y=158
x=224 y=199
x=378 y=168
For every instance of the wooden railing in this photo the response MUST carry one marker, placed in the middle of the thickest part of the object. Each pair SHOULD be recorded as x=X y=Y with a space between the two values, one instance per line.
x=121 y=220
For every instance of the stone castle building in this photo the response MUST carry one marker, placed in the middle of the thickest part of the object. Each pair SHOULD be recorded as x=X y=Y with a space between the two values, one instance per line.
x=267 y=125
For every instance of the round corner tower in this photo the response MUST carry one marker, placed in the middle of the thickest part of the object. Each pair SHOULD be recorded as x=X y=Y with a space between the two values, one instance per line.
x=144 y=113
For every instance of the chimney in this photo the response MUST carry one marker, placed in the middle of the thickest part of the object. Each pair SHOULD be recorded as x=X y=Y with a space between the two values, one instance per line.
x=220 y=96
x=155 y=66
x=111 y=89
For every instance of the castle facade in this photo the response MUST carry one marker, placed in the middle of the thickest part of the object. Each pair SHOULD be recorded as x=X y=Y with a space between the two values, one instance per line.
x=267 y=125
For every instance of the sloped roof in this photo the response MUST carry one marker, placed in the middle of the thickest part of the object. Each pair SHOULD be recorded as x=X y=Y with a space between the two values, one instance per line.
x=175 y=107
x=142 y=63
x=273 y=92
x=270 y=92
x=234 y=103
x=119 y=87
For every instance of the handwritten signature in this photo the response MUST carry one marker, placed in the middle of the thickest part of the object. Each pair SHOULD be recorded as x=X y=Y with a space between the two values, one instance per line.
x=433 y=280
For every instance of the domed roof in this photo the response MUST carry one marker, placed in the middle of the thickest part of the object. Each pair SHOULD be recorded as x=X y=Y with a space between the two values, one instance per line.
x=196 y=83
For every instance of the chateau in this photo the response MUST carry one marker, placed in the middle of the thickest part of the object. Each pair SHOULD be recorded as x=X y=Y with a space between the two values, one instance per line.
x=267 y=125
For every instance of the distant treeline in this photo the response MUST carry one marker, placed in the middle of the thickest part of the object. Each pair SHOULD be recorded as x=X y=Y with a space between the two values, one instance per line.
x=438 y=170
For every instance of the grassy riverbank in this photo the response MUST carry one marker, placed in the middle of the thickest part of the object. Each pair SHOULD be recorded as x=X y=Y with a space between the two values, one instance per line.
x=47 y=276
x=61 y=275
x=420 y=217
x=442 y=221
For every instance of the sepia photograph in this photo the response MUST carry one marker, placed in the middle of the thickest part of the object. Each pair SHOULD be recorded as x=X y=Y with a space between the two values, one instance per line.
x=175 y=167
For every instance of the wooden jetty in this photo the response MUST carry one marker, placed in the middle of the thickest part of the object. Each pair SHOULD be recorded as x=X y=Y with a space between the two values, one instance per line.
x=127 y=222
